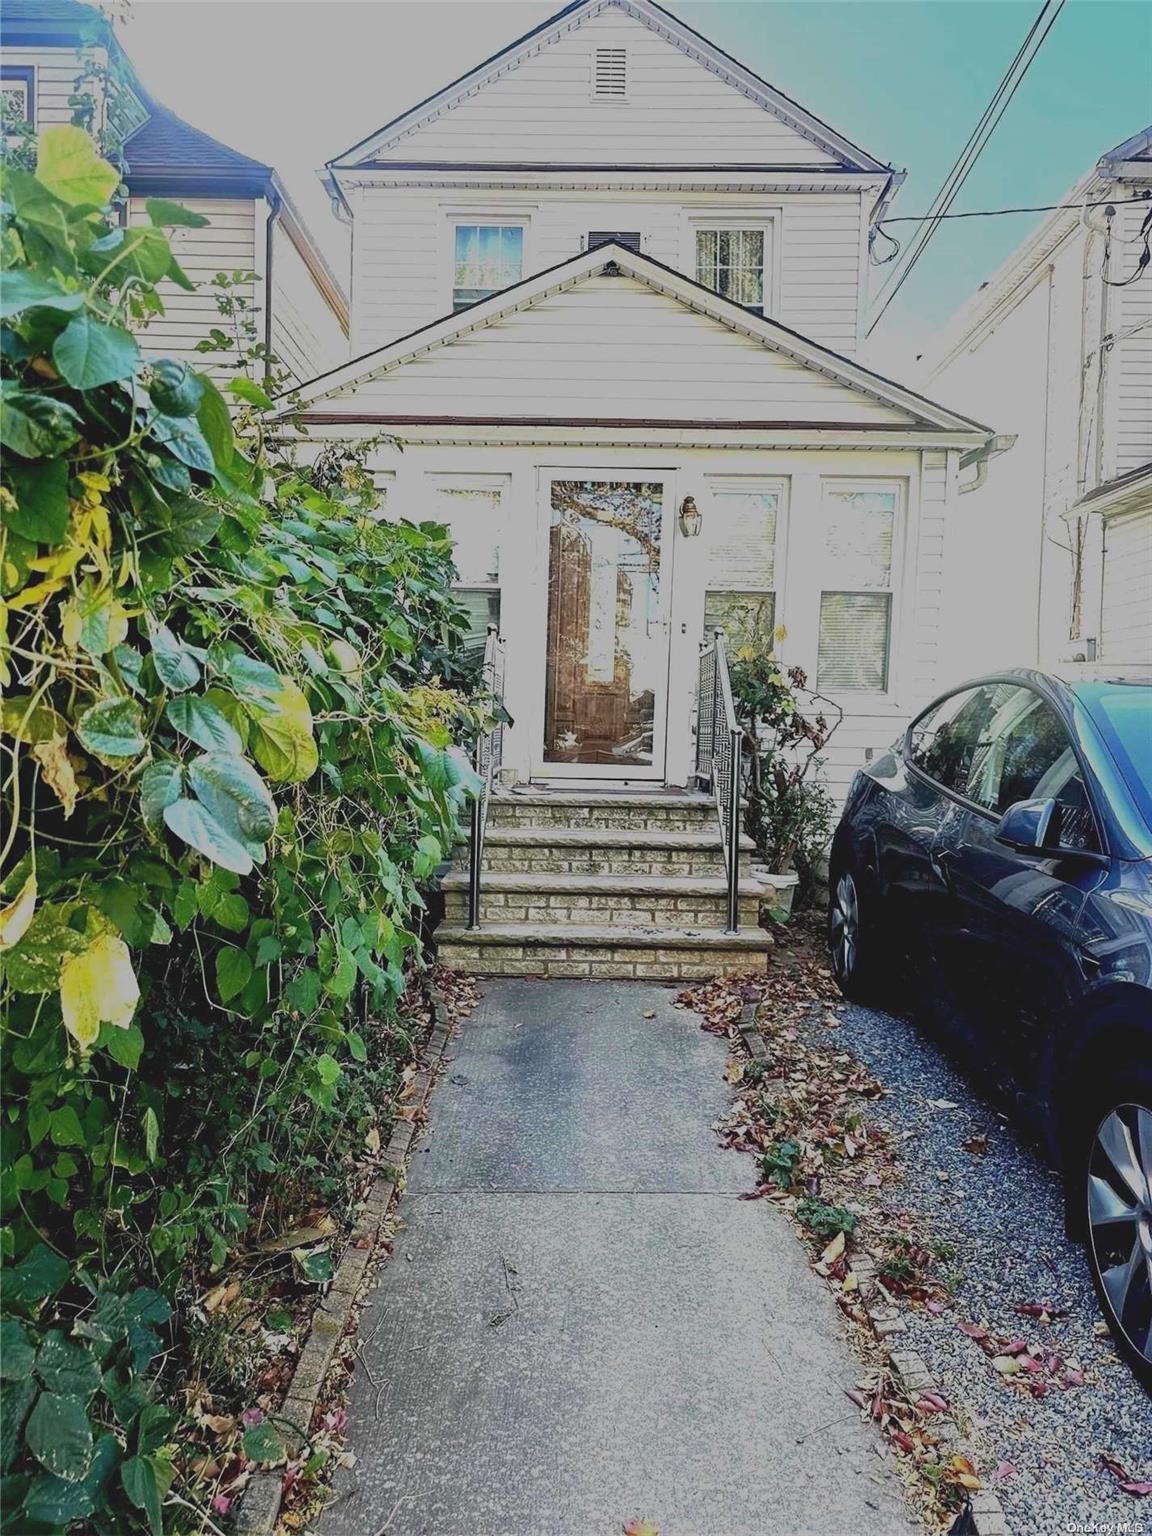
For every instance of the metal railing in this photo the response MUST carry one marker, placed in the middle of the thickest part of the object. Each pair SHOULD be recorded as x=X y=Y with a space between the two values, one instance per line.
x=718 y=745
x=486 y=761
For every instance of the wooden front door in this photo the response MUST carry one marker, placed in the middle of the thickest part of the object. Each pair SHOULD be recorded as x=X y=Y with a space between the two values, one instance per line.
x=609 y=580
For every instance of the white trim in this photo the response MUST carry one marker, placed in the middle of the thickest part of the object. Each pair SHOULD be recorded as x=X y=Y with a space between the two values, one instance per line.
x=693 y=220
x=484 y=216
x=612 y=178
x=662 y=280
x=657 y=20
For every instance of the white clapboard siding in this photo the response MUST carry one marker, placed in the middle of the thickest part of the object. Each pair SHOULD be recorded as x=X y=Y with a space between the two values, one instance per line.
x=612 y=347
x=1130 y=360
x=226 y=244
x=402 y=258
x=57 y=70
x=307 y=338
x=1126 y=619
x=676 y=110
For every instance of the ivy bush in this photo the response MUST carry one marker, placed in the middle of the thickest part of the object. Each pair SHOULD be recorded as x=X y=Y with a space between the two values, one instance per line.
x=228 y=769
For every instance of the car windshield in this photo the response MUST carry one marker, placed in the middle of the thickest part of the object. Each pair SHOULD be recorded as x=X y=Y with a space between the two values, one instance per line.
x=1123 y=712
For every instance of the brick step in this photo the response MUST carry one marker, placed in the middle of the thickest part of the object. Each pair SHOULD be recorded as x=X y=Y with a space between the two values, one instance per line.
x=639 y=900
x=564 y=949
x=602 y=851
x=687 y=812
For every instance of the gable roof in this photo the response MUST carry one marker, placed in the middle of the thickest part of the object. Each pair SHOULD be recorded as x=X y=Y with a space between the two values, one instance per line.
x=840 y=149
x=883 y=404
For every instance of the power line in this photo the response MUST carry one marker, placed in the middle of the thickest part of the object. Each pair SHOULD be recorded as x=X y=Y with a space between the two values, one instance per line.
x=977 y=140
x=995 y=213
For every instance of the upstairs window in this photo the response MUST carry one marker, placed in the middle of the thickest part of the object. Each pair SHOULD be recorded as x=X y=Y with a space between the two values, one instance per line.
x=16 y=92
x=610 y=74
x=859 y=527
x=732 y=262
x=487 y=258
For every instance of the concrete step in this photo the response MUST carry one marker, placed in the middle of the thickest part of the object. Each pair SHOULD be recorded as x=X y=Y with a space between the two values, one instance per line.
x=667 y=811
x=659 y=901
x=601 y=951
x=602 y=851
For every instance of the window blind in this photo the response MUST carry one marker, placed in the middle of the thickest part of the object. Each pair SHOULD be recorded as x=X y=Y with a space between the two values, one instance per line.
x=854 y=629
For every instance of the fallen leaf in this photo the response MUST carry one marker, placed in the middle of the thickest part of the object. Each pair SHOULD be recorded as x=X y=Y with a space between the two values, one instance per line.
x=1004 y=1470
x=648 y=1014
x=834 y=1249
x=640 y=1527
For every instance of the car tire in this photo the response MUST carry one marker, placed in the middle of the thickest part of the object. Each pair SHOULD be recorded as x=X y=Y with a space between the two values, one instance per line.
x=1111 y=1152
x=855 y=933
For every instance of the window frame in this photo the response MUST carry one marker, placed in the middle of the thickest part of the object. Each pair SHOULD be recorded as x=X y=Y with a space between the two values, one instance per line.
x=463 y=480
x=994 y=817
x=755 y=217
x=484 y=219
x=25 y=74
x=753 y=484
x=895 y=589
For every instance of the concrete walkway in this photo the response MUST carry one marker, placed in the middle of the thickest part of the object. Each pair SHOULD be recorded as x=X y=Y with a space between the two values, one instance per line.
x=582 y=1325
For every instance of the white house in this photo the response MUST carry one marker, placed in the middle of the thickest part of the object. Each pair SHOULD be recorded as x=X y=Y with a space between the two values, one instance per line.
x=607 y=289
x=1052 y=552
x=297 y=306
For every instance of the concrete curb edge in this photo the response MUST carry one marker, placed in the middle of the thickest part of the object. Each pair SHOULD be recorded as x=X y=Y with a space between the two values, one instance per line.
x=258 y=1509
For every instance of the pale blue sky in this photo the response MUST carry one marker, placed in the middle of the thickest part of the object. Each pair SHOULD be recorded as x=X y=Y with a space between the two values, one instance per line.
x=297 y=81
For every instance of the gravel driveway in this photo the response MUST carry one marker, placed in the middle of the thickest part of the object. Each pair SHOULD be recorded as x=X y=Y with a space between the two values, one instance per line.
x=1003 y=1213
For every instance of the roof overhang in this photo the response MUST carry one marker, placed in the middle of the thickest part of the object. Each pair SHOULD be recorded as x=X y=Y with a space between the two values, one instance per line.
x=660 y=21
x=1131 y=492
x=615 y=259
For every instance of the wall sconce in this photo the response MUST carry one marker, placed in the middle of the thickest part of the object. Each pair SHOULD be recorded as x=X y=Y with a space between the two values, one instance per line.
x=690 y=518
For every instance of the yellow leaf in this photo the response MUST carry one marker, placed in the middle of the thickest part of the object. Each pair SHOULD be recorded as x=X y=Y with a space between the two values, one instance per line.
x=59 y=775
x=35 y=594
x=15 y=917
x=834 y=1249
x=98 y=987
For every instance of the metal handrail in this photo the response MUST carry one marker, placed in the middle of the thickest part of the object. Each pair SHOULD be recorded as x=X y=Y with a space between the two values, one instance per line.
x=719 y=740
x=486 y=759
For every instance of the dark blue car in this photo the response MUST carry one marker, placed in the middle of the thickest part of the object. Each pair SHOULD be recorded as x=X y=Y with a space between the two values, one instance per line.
x=996 y=865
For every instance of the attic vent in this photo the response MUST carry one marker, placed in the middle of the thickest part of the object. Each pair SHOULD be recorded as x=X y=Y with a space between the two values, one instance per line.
x=610 y=73
x=628 y=237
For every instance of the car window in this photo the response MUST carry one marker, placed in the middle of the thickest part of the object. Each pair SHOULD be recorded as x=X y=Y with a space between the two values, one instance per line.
x=1024 y=753
x=943 y=742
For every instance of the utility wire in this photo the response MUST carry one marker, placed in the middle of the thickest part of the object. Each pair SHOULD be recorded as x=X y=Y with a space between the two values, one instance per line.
x=977 y=140
x=995 y=213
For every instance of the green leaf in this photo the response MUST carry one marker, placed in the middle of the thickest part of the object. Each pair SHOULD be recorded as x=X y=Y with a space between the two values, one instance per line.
x=196 y=826
x=151 y=1134
x=161 y=785
x=89 y=353
x=184 y=440
x=246 y=389
x=232 y=912
x=55 y=1504
x=175 y=389
x=175 y=664
x=233 y=973
x=166 y=214
x=125 y=1046
x=216 y=424
x=113 y=729
x=33 y=425
x=262 y=1442
x=66 y=1367
x=66 y=1130
x=68 y=164
x=282 y=741
x=342 y=979
x=25 y=290
x=192 y=525
x=17 y=1352
x=184 y=906
x=16 y=1397
x=59 y=1436
x=313 y=1267
x=232 y=790
x=203 y=723
x=38 y=1276
x=428 y=856
x=95 y=619
x=146 y=1480
x=146 y=254
x=33 y=965
x=42 y=511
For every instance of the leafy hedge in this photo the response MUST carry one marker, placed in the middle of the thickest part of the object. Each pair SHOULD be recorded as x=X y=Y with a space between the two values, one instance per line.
x=227 y=768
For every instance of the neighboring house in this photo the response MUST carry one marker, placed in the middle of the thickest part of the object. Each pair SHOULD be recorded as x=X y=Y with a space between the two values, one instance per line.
x=606 y=292
x=295 y=302
x=1053 y=553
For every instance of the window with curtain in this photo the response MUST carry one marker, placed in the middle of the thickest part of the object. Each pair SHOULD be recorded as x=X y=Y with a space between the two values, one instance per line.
x=15 y=96
x=856 y=603
x=487 y=258
x=740 y=580
x=732 y=262
x=473 y=512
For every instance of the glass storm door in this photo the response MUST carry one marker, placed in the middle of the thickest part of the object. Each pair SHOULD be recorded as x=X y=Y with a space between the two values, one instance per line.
x=609 y=580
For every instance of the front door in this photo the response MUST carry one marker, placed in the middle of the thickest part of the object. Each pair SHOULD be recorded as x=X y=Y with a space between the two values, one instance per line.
x=609 y=586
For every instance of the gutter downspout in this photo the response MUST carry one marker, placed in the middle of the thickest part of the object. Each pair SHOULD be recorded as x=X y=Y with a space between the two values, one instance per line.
x=275 y=207
x=981 y=456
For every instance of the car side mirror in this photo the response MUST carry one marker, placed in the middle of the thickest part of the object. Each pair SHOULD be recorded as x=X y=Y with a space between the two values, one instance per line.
x=1032 y=826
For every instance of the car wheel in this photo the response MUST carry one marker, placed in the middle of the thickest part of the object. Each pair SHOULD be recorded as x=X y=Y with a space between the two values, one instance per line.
x=853 y=935
x=1115 y=1186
